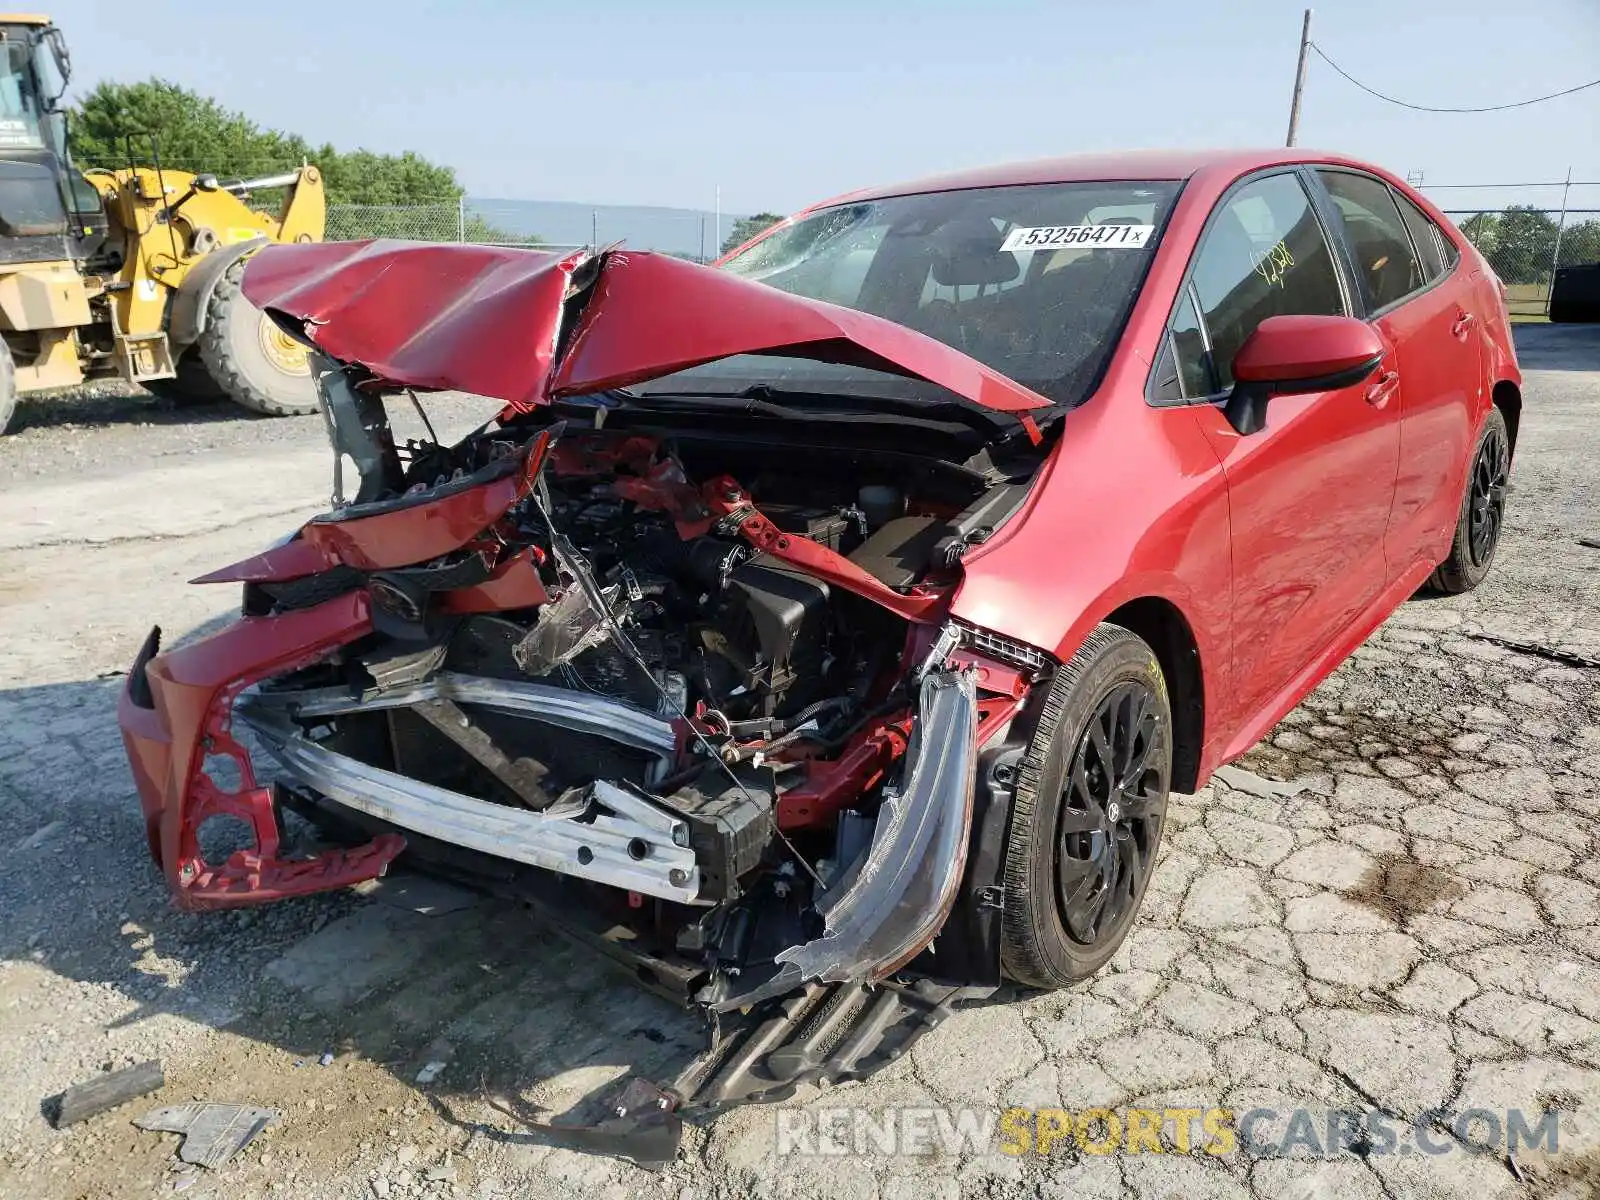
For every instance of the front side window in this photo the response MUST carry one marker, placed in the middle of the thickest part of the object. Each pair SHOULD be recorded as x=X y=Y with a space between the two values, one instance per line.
x=1034 y=281
x=1388 y=268
x=1263 y=255
x=1183 y=371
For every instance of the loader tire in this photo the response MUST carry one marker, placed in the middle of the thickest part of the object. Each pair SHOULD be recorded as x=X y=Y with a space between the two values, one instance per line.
x=8 y=387
x=253 y=361
x=190 y=386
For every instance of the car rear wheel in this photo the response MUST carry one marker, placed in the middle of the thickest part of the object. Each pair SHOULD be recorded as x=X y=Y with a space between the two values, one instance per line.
x=1482 y=515
x=1088 y=811
x=255 y=362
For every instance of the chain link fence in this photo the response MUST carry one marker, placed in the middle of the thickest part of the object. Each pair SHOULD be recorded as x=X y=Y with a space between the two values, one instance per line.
x=452 y=221
x=546 y=224
x=1526 y=231
x=1526 y=246
x=1524 y=243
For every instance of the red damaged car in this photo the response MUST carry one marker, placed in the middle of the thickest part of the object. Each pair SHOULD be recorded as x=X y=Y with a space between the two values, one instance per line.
x=821 y=633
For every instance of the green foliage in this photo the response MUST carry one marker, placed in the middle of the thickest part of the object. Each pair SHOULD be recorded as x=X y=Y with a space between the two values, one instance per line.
x=746 y=228
x=1581 y=244
x=198 y=134
x=1525 y=244
x=1520 y=242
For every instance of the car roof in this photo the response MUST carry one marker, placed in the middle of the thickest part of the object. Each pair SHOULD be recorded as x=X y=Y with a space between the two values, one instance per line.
x=1077 y=168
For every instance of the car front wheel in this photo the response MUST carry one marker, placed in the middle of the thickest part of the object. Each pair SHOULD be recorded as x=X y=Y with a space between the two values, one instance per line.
x=1088 y=810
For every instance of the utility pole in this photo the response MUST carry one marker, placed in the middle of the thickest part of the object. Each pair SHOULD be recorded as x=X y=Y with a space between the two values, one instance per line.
x=1299 y=79
x=1555 y=258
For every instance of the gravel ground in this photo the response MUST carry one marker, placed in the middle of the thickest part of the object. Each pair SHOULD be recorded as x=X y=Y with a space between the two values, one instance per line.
x=1417 y=927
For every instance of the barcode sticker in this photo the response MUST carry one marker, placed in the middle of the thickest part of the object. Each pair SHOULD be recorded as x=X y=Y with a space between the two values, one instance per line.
x=1093 y=237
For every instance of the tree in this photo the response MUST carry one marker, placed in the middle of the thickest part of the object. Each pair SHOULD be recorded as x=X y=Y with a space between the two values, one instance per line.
x=746 y=228
x=1482 y=230
x=197 y=134
x=1580 y=244
x=1524 y=245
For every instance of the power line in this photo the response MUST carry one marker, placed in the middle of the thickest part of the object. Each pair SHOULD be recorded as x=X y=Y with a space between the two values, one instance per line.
x=1429 y=108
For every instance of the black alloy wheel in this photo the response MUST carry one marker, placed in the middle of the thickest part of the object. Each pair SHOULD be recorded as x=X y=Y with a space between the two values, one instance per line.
x=1087 y=810
x=1482 y=516
x=1111 y=812
x=1487 y=505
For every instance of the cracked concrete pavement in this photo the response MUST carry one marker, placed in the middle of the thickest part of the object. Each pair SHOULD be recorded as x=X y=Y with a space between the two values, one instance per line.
x=1417 y=927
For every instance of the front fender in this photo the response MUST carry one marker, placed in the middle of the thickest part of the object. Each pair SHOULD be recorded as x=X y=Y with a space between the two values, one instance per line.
x=1100 y=530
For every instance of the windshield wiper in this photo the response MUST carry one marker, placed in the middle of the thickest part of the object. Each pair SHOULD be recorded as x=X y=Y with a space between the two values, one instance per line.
x=764 y=399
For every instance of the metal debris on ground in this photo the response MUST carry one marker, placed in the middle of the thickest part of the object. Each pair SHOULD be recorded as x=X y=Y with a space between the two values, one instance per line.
x=1592 y=542
x=212 y=1133
x=85 y=1100
x=1241 y=780
x=431 y=1071
x=326 y=1060
x=1569 y=657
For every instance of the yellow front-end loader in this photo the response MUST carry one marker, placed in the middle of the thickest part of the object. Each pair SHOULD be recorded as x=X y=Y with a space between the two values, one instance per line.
x=132 y=273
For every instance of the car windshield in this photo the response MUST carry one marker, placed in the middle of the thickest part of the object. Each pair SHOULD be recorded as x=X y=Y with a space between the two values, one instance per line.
x=1034 y=281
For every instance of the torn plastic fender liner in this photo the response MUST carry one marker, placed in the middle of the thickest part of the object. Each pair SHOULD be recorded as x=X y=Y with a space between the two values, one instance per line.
x=494 y=321
x=893 y=900
x=401 y=535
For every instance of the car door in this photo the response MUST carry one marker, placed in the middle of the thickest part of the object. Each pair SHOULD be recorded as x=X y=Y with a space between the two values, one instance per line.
x=1309 y=495
x=1427 y=312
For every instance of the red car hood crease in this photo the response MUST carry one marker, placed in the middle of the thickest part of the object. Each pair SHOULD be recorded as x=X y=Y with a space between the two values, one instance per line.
x=485 y=320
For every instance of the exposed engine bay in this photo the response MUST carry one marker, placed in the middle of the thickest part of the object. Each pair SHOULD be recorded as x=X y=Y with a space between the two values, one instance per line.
x=758 y=768
x=720 y=681
x=687 y=687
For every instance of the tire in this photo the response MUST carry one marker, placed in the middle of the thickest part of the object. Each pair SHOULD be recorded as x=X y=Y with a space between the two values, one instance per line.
x=1045 y=943
x=8 y=387
x=247 y=355
x=1482 y=515
x=191 y=385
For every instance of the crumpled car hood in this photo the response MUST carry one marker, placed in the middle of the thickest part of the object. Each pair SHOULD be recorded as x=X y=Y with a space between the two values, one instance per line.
x=489 y=320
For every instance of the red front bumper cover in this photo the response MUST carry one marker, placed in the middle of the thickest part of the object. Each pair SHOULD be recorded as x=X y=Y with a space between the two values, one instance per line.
x=176 y=712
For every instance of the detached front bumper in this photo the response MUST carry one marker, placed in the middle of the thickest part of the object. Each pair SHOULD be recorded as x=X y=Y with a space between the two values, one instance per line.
x=176 y=712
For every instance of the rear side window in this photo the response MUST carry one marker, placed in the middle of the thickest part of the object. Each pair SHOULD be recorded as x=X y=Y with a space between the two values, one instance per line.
x=1425 y=237
x=1388 y=268
x=1264 y=255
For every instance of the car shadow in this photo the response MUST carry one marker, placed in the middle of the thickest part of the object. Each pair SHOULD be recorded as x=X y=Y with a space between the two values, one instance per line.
x=1557 y=347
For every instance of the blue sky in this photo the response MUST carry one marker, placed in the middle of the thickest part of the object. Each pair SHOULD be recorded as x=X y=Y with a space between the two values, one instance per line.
x=626 y=101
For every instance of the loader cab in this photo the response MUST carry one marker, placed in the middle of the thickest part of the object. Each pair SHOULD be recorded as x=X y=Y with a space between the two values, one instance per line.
x=48 y=210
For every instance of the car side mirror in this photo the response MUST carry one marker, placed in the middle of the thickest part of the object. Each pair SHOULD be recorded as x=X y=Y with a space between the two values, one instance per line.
x=1293 y=355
